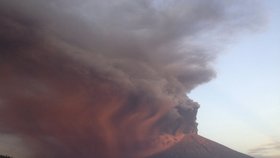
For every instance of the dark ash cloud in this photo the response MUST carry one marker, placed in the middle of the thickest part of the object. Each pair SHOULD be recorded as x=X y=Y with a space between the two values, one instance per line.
x=103 y=78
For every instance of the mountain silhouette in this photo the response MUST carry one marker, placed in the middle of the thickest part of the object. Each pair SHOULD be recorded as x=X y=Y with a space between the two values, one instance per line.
x=195 y=146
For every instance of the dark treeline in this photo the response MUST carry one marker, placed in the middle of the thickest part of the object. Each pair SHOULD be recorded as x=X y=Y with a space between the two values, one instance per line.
x=5 y=156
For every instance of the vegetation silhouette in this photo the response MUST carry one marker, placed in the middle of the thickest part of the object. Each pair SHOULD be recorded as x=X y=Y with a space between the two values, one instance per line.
x=5 y=156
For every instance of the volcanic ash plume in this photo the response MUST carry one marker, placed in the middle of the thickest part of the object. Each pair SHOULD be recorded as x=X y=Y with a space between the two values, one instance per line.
x=108 y=79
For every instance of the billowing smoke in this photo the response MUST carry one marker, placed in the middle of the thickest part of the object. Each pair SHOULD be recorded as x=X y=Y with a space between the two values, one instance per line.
x=94 y=78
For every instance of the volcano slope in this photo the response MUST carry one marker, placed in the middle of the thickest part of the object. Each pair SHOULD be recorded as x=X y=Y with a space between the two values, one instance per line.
x=195 y=146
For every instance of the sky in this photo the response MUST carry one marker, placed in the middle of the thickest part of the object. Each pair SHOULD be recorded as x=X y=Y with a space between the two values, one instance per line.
x=240 y=108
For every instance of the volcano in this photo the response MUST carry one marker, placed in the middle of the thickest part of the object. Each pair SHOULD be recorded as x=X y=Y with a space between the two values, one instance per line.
x=196 y=146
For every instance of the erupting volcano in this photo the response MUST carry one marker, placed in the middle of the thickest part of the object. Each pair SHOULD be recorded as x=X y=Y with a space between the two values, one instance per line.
x=108 y=79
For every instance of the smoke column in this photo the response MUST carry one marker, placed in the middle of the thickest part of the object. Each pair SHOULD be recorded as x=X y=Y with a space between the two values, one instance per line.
x=108 y=79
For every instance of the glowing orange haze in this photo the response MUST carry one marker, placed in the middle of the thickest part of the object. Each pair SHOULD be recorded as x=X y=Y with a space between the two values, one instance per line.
x=73 y=109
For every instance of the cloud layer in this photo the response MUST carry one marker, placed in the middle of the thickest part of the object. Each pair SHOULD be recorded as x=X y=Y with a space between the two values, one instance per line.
x=270 y=150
